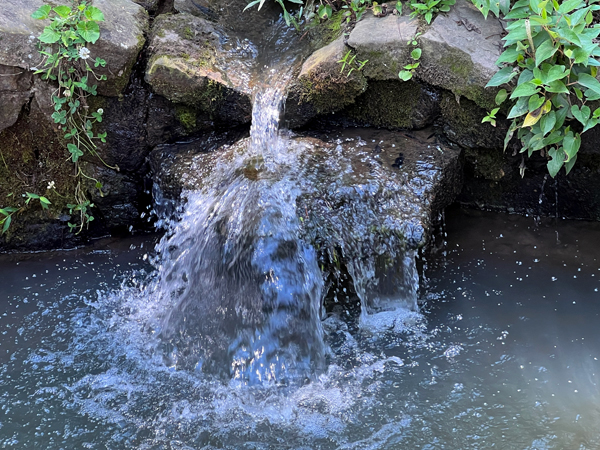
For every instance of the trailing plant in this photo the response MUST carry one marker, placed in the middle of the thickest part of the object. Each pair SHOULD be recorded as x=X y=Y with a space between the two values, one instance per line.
x=551 y=51
x=415 y=54
x=428 y=8
x=350 y=62
x=64 y=45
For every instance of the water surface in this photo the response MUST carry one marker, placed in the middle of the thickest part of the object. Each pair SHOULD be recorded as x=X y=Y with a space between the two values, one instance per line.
x=504 y=355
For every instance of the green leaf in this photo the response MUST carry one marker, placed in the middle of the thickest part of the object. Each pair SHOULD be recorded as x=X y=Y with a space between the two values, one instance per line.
x=535 y=101
x=509 y=55
x=7 y=220
x=93 y=13
x=519 y=109
x=63 y=11
x=75 y=152
x=544 y=51
x=524 y=90
x=569 y=164
x=556 y=73
x=49 y=36
x=557 y=161
x=547 y=122
x=42 y=12
x=89 y=31
x=501 y=96
x=589 y=82
x=570 y=5
x=405 y=75
x=571 y=144
x=501 y=77
x=582 y=115
x=416 y=54
x=558 y=87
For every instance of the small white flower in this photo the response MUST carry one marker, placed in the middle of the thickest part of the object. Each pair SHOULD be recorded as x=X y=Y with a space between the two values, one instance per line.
x=67 y=93
x=84 y=53
x=100 y=111
x=50 y=185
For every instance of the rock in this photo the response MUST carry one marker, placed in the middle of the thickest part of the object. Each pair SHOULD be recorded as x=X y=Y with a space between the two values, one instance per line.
x=461 y=123
x=384 y=42
x=400 y=180
x=149 y=5
x=394 y=104
x=189 y=64
x=121 y=38
x=15 y=85
x=321 y=87
x=459 y=52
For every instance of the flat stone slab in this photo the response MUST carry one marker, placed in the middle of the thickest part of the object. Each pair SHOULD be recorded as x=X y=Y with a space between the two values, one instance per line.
x=460 y=50
x=402 y=181
x=384 y=42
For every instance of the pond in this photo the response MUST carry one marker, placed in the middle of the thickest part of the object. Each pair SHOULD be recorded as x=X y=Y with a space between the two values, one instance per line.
x=503 y=354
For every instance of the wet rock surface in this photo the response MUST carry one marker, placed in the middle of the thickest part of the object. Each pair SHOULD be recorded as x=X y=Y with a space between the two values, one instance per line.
x=402 y=180
x=192 y=62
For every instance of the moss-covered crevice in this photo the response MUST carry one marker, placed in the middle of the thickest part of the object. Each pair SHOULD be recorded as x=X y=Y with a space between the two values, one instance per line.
x=33 y=158
x=387 y=104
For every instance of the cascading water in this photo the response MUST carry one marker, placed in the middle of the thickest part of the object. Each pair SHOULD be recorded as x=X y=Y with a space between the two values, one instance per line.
x=243 y=290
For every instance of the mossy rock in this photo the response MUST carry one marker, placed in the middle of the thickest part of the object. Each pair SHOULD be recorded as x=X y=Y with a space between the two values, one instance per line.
x=395 y=105
x=188 y=65
x=323 y=85
x=462 y=58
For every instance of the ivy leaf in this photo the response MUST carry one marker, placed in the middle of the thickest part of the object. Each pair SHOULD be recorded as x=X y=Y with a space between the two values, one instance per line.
x=589 y=82
x=571 y=145
x=557 y=87
x=49 y=36
x=556 y=73
x=557 y=161
x=582 y=115
x=547 y=122
x=524 y=90
x=75 y=152
x=501 y=77
x=544 y=51
x=89 y=31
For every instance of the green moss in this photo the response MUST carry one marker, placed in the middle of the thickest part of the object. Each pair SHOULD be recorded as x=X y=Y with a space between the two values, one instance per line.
x=187 y=117
x=328 y=93
x=187 y=33
x=387 y=104
x=323 y=33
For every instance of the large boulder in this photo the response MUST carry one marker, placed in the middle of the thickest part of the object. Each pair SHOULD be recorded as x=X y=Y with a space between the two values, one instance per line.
x=189 y=64
x=460 y=50
x=121 y=39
